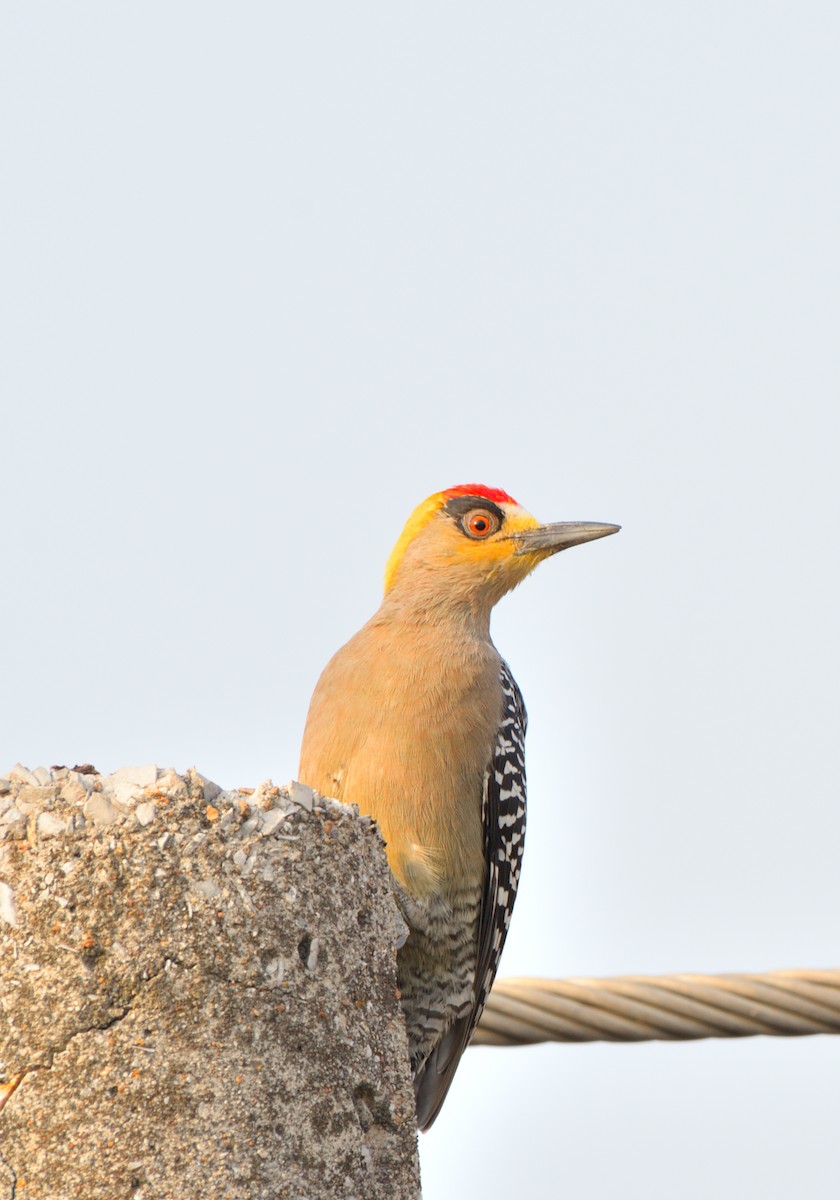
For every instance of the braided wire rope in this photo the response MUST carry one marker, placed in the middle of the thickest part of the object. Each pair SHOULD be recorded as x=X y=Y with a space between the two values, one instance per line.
x=641 y=1008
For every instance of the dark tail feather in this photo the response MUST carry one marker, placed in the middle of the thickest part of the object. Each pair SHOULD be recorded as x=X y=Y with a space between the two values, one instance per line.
x=433 y=1077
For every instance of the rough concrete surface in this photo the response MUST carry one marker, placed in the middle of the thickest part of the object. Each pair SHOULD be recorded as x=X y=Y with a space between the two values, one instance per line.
x=197 y=994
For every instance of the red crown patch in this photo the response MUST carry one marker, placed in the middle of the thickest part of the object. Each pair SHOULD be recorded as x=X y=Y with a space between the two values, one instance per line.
x=479 y=489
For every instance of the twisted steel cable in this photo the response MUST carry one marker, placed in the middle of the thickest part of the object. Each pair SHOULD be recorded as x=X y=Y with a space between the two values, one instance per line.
x=639 y=1008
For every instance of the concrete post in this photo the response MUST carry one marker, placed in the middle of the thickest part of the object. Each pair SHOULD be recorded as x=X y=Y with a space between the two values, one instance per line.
x=197 y=994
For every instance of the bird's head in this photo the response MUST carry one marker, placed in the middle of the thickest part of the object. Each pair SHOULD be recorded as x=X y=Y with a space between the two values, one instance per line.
x=474 y=543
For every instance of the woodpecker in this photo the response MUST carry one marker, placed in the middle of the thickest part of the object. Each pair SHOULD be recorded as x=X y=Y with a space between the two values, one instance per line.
x=419 y=721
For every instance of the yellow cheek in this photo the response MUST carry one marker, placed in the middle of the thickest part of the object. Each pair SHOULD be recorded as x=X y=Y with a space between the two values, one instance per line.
x=515 y=522
x=500 y=548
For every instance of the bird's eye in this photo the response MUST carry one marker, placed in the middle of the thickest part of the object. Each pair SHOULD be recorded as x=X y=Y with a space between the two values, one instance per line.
x=480 y=523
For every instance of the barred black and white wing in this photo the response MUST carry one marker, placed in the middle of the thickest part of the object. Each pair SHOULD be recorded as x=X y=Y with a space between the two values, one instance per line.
x=503 y=819
x=503 y=816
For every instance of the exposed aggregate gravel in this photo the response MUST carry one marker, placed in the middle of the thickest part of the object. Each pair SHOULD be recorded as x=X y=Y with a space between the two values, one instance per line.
x=197 y=993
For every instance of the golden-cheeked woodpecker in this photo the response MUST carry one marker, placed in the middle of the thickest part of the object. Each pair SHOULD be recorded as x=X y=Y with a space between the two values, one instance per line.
x=419 y=722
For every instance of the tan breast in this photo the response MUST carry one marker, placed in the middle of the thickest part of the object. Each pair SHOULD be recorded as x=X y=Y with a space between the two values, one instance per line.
x=402 y=723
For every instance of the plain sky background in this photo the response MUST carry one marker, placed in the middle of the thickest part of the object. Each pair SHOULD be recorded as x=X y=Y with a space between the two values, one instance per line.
x=272 y=273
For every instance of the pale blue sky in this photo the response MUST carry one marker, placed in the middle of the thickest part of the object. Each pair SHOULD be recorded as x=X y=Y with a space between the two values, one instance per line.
x=273 y=273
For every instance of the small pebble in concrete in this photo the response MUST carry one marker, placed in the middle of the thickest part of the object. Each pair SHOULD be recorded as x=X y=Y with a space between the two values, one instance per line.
x=100 y=810
x=8 y=912
x=49 y=825
x=139 y=777
x=207 y=887
x=20 y=773
x=302 y=795
x=271 y=820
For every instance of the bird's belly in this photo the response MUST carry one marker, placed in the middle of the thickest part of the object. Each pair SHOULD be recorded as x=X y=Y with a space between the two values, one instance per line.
x=436 y=966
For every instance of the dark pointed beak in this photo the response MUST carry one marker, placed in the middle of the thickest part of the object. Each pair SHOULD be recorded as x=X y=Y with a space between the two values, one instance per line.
x=551 y=539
